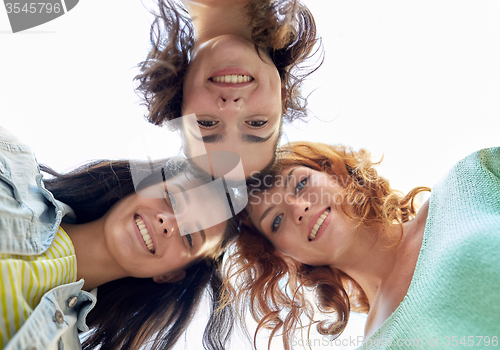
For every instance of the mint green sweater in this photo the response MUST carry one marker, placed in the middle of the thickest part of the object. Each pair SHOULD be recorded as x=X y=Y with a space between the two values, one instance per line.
x=455 y=290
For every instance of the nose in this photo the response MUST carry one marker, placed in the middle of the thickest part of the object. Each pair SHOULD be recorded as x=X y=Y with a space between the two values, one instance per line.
x=168 y=224
x=300 y=210
x=230 y=100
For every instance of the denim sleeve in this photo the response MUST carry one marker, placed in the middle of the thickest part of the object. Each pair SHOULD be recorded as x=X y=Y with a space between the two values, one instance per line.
x=28 y=219
x=55 y=321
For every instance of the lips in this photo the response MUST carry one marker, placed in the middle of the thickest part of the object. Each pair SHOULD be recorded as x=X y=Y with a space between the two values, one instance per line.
x=317 y=222
x=144 y=233
x=230 y=71
x=231 y=77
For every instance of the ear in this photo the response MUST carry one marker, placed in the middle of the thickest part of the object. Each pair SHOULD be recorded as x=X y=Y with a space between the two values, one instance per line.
x=170 y=277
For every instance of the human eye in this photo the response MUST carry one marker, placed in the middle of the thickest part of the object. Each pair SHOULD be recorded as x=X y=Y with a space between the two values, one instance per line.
x=301 y=185
x=276 y=223
x=257 y=123
x=207 y=124
x=171 y=200
x=189 y=239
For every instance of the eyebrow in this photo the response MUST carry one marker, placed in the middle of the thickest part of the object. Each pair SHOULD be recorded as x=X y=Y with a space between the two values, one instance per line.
x=203 y=236
x=214 y=138
x=256 y=139
x=268 y=210
x=288 y=177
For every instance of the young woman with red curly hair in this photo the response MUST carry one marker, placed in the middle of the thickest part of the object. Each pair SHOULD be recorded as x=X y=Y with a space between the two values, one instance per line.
x=324 y=219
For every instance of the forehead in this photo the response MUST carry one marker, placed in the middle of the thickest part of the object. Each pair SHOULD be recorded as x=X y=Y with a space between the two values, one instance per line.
x=270 y=187
x=203 y=207
x=274 y=189
x=287 y=176
x=254 y=156
x=198 y=202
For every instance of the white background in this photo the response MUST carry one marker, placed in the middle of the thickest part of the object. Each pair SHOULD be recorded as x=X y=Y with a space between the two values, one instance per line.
x=416 y=81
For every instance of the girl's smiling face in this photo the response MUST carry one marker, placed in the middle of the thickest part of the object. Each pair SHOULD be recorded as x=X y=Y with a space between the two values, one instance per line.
x=237 y=96
x=142 y=233
x=302 y=216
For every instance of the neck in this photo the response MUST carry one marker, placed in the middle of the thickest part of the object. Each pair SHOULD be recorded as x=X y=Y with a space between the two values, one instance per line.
x=373 y=260
x=215 y=18
x=377 y=258
x=93 y=260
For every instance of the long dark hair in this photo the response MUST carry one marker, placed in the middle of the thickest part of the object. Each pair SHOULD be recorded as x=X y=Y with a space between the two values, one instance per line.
x=285 y=29
x=134 y=311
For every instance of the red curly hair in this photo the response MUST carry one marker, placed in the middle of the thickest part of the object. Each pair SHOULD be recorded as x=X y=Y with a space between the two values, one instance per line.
x=259 y=271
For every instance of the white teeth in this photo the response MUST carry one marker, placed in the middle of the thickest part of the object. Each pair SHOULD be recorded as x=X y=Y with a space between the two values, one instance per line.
x=318 y=224
x=233 y=79
x=145 y=234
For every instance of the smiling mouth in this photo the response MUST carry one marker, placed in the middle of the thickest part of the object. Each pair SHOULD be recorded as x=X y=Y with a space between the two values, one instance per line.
x=145 y=234
x=318 y=224
x=232 y=79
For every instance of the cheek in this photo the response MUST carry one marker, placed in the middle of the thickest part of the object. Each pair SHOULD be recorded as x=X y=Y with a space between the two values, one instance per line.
x=270 y=100
x=191 y=101
x=287 y=247
x=275 y=83
x=276 y=121
x=279 y=243
x=194 y=94
x=257 y=157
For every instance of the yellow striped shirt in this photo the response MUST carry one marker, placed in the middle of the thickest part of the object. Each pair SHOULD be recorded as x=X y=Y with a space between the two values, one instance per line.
x=25 y=279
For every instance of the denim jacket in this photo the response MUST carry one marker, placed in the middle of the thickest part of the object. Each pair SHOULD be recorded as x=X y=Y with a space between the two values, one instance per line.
x=29 y=220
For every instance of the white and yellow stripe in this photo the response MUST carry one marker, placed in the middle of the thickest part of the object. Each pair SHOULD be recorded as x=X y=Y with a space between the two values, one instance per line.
x=25 y=279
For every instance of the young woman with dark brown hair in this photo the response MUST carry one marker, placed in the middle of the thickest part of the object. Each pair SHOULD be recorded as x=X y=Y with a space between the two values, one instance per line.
x=236 y=66
x=94 y=227
x=324 y=219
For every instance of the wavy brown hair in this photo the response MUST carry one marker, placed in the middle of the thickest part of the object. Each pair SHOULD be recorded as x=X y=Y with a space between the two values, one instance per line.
x=284 y=29
x=260 y=272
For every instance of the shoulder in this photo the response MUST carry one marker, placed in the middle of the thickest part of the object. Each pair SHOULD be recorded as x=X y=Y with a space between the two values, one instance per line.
x=462 y=235
x=486 y=157
x=14 y=154
x=10 y=143
x=55 y=320
x=29 y=214
x=480 y=164
x=471 y=185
